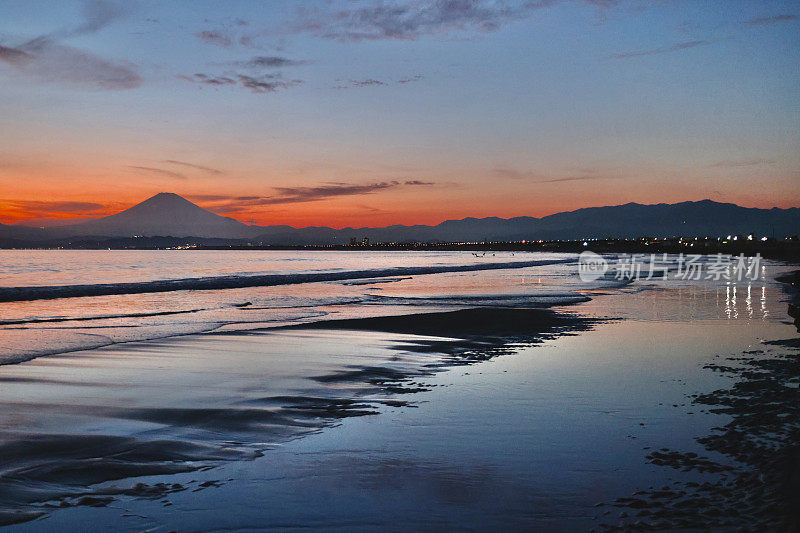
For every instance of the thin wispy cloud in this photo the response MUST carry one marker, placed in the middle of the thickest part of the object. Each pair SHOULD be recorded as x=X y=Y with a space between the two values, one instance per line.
x=578 y=178
x=412 y=20
x=741 y=163
x=207 y=79
x=412 y=79
x=55 y=207
x=271 y=62
x=44 y=58
x=371 y=82
x=770 y=20
x=366 y=83
x=265 y=83
x=159 y=171
x=298 y=195
x=210 y=170
x=535 y=177
x=33 y=209
x=214 y=37
x=662 y=50
x=510 y=173
x=292 y=195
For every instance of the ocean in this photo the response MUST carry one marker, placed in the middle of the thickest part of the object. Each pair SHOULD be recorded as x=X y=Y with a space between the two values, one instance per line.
x=356 y=391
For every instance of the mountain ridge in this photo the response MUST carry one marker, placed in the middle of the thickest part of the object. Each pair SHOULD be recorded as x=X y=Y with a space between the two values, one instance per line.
x=168 y=214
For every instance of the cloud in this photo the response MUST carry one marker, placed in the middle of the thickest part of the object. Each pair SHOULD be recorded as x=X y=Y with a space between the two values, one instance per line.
x=14 y=56
x=741 y=163
x=366 y=83
x=266 y=83
x=662 y=50
x=371 y=82
x=214 y=37
x=159 y=171
x=210 y=170
x=208 y=197
x=97 y=15
x=510 y=173
x=59 y=207
x=293 y=195
x=271 y=62
x=533 y=177
x=32 y=209
x=770 y=20
x=297 y=195
x=45 y=59
x=412 y=79
x=208 y=79
x=50 y=62
x=413 y=20
x=578 y=178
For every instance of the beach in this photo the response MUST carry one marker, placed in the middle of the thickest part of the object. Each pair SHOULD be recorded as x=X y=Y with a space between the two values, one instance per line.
x=476 y=399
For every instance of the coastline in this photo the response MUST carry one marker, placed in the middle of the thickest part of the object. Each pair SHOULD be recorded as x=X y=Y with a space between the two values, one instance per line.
x=756 y=485
x=49 y=471
x=399 y=360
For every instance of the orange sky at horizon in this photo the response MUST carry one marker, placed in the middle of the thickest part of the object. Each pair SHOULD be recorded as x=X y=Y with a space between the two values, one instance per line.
x=335 y=122
x=381 y=208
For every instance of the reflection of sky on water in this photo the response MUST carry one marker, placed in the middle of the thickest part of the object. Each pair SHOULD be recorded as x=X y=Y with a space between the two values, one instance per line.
x=532 y=439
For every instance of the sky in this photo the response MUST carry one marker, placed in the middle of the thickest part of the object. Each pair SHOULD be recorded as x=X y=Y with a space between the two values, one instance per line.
x=371 y=113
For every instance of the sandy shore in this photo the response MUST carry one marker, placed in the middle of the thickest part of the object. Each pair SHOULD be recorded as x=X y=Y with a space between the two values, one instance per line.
x=755 y=482
x=73 y=421
x=277 y=428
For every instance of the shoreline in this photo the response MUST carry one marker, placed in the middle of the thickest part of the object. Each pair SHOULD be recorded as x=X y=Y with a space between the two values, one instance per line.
x=52 y=292
x=779 y=249
x=44 y=472
x=760 y=487
x=443 y=340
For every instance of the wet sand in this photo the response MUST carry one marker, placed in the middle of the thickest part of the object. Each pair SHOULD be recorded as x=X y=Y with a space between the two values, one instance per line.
x=604 y=420
x=73 y=421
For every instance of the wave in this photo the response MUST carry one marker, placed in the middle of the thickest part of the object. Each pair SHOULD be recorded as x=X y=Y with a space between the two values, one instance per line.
x=40 y=320
x=19 y=294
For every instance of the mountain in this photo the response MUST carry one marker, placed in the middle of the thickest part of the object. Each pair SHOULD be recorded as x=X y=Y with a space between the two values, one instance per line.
x=165 y=214
x=703 y=218
x=169 y=215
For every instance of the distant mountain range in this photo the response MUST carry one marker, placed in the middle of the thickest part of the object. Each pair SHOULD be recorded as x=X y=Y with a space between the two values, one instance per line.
x=170 y=215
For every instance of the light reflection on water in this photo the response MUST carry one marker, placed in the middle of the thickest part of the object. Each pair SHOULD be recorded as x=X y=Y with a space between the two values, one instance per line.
x=529 y=439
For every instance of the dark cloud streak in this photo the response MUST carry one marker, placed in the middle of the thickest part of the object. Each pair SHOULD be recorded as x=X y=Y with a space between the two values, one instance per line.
x=159 y=171
x=770 y=20
x=662 y=50
x=272 y=62
x=210 y=170
x=741 y=163
x=266 y=83
x=32 y=206
x=297 y=195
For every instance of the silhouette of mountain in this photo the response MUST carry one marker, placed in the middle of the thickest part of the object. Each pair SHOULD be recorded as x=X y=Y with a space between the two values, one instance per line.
x=703 y=218
x=165 y=214
x=170 y=215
